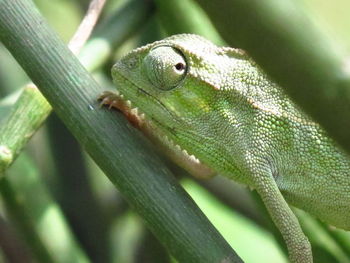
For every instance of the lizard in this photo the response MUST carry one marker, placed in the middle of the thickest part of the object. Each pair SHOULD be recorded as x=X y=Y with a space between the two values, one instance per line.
x=214 y=111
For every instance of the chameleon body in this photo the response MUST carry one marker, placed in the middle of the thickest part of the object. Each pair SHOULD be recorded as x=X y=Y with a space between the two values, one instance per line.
x=215 y=111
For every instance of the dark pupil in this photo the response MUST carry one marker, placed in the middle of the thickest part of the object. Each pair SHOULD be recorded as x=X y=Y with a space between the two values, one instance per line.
x=179 y=66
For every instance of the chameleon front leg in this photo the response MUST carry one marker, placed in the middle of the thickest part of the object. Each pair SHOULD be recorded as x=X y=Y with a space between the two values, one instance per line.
x=299 y=248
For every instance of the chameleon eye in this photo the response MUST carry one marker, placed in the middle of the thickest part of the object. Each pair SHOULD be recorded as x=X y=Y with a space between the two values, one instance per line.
x=165 y=67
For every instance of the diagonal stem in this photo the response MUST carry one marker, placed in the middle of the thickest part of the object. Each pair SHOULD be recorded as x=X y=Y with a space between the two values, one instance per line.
x=120 y=151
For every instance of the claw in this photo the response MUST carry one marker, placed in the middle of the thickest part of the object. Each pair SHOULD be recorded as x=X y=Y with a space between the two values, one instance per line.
x=109 y=99
x=117 y=101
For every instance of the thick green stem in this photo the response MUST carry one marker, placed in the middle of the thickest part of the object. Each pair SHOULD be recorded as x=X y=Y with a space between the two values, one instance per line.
x=28 y=113
x=94 y=54
x=120 y=151
x=280 y=36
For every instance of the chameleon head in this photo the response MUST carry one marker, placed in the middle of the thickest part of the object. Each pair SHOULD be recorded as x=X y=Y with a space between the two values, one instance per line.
x=158 y=79
x=174 y=82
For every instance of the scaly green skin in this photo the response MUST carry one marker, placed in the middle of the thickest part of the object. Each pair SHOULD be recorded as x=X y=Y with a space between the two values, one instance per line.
x=216 y=104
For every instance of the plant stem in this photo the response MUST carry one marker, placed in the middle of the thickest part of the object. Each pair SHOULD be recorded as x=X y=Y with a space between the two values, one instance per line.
x=93 y=55
x=119 y=150
x=86 y=26
x=27 y=114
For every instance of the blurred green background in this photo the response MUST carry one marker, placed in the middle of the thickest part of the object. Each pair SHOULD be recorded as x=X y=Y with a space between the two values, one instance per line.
x=79 y=214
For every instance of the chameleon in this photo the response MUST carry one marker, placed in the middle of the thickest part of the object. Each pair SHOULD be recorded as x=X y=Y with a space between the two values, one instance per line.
x=214 y=111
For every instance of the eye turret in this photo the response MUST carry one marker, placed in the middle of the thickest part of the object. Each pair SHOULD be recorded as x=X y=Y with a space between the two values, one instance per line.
x=165 y=67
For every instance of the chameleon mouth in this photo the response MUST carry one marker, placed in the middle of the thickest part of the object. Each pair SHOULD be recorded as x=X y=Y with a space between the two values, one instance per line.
x=177 y=148
x=114 y=99
x=118 y=76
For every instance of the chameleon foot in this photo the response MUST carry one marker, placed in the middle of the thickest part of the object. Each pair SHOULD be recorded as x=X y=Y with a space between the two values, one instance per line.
x=111 y=99
x=116 y=100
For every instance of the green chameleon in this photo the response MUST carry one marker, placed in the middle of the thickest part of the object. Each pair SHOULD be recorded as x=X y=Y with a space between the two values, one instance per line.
x=215 y=112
